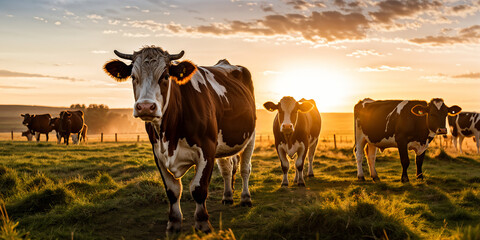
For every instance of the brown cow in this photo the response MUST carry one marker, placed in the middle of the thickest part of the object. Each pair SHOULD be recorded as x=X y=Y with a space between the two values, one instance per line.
x=193 y=115
x=296 y=128
x=28 y=134
x=38 y=124
x=70 y=122
x=55 y=124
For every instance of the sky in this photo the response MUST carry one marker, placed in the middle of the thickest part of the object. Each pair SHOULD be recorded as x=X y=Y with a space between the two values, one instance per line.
x=334 y=51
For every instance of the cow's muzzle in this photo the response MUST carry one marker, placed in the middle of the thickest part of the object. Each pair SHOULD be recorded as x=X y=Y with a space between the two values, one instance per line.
x=147 y=111
x=287 y=128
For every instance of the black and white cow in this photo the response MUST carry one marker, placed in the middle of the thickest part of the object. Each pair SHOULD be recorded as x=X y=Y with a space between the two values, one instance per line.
x=406 y=125
x=193 y=115
x=296 y=128
x=465 y=124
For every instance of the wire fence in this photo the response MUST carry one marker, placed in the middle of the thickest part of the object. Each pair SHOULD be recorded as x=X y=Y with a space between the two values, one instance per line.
x=262 y=139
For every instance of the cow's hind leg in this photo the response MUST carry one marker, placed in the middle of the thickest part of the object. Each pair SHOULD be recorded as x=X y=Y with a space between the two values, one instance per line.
x=403 y=152
x=37 y=136
x=460 y=142
x=46 y=135
x=477 y=138
x=227 y=167
x=245 y=170
x=371 y=152
x=311 y=155
x=282 y=155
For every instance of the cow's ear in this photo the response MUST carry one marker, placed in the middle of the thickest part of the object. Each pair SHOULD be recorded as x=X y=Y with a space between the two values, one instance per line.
x=23 y=115
x=305 y=107
x=118 y=70
x=182 y=72
x=420 y=110
x=454 y=110
x=270 y=106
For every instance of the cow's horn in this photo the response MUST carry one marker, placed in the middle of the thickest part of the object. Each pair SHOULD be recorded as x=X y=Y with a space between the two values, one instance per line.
x=123 y=55
x=176 y=56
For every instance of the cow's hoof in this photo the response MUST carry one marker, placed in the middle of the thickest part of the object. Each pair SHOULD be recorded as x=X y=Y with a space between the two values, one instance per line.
x=376 y=179
x=311 y=175
x=284 y=184
x=405 y=180
x=174 y=227
x=361 y=179
x=227 y=202
x=246 y=203
x=301 y=184
x=203 y=226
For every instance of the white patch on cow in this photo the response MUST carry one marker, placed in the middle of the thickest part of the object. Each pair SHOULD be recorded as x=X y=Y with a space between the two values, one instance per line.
x=438 y=104
x=397 y=109
x=287 y=107
x=224 y=150
x=197 y=79
x=183 y=157
x=418 y=147
x=74 y=138
x=219 y=89
x=384 y=143
x=296 y=146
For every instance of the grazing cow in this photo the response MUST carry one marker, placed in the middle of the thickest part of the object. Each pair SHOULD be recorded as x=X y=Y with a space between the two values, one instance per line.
x=28 y=134
x=406 y=125
x=37 y=124
x=71 y=122
x=465 y=124
x=296 y=128
x=55 y=124
x=193 y=115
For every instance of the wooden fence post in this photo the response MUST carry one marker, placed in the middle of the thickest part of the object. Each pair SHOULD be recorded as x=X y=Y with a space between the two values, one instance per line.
x=116 y=137
x=138 y=138
x=12 y=135
x=101 y=137
x=335 y=141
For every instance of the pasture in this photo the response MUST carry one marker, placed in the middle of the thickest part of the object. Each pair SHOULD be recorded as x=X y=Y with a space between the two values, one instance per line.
x=114 y=191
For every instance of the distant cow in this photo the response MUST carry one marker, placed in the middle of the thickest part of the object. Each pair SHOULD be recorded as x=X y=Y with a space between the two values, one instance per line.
x=55 y=124
x=406 y=125
x=465 y=124
x=193 y=115
x=296 y=128
x=38 y=124
x=28 y=134
x=71 y=122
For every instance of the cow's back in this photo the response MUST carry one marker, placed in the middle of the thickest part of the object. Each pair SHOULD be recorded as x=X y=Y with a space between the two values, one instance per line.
x=41 y=123
x=77 y=121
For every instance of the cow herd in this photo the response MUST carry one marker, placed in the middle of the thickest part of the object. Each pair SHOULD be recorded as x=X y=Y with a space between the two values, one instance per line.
x=196 y=115
x=69 y=123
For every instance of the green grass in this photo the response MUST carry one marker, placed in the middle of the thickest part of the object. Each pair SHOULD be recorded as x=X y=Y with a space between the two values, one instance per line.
x=114 y=191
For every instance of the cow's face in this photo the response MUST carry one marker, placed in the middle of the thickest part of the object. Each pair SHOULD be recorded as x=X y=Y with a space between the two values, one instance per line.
x=65 y=121
x=151 y=71
x=27 y=118
x=54 y=121
x=436 y=112
x=288 y=110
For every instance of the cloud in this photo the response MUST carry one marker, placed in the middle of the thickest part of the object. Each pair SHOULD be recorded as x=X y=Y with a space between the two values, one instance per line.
x=15 y=87
x=464 y=35
x=9 y=15
x=58 y=23
x=327 y=26
x=40 y=19
x=136 y=35
x=473 y=75
x=94 y=17
x=384 y=68
x=146 y=24
x=304 y=5
x=110 y=31
x=6 y=73
x=267 y=8
x=360 y=53
x=391 y=10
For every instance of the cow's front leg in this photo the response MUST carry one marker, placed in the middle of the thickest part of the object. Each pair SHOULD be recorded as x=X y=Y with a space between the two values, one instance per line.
x=46 y=136
x=245 y=170
x=37 y=136
x=173 y=187
x=419 y=163
x=403 y=152
x=199 y=191
x=301 y=154
x=285 y=165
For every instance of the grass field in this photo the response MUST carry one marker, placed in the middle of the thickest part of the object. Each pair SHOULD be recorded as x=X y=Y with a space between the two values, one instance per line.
x=114 y=191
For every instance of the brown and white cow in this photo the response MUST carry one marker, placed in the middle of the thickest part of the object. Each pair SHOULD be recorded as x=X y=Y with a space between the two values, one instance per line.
x=406 y=125
x=55 y=124
x=28 y=134
x=193 y=115
x=71 y=122
x=465 y=124
x=38 y=124
x=296 y=128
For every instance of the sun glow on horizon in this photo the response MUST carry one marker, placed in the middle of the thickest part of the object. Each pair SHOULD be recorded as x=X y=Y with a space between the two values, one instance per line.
x=329 y=88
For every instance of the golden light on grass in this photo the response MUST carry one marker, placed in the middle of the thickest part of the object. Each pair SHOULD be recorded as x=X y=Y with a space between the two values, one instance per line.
x=328 y=87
